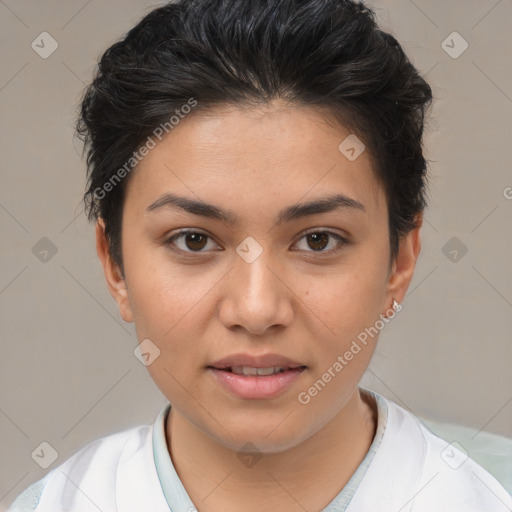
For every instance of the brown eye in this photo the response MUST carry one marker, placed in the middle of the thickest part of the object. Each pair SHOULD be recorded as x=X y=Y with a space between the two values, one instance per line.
x=195 y=241
x=317 y=241
x=190 y=241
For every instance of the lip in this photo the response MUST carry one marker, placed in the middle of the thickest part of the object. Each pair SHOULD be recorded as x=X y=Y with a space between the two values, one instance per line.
x=261 y=361
x=256 y=386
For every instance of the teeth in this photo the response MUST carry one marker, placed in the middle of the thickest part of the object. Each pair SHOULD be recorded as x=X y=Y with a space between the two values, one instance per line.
x=247 y=370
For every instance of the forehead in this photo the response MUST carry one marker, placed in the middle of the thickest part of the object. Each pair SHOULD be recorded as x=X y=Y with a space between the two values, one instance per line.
x=241 y=154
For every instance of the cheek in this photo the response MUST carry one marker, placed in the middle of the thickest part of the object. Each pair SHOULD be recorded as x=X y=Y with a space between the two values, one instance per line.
x=172 y=307
x=347 y=300
x=168 y=305
x=348 y=305
x=163 y=295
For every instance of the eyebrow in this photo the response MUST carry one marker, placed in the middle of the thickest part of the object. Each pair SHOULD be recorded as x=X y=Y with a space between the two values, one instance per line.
x=293 y=212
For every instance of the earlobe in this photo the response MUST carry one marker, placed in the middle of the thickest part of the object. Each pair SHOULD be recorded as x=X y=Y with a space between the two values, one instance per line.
x=115 y=280
x=404 y=264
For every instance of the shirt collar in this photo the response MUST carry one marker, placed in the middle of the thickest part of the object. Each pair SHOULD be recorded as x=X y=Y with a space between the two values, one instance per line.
x=174 y=492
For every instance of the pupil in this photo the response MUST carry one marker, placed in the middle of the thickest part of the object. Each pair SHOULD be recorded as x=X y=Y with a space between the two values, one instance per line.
x=196 y=241
x=318 y=238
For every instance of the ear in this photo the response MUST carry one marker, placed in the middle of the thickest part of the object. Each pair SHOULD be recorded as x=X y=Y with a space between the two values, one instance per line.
x=115 y=281
x=404 y=264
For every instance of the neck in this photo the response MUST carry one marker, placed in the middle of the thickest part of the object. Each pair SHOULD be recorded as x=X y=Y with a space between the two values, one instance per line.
x=216 y=480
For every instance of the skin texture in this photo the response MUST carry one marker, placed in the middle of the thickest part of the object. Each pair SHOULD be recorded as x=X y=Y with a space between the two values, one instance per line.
x=292 y=300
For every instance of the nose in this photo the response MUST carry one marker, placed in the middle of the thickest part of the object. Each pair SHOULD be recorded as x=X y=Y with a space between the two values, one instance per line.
x=256 y=297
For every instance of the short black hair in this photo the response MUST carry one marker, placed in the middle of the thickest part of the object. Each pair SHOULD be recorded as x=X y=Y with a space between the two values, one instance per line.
x=326 y=54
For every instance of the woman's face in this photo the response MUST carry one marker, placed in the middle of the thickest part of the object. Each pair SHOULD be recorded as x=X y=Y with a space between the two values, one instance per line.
x=258 y=274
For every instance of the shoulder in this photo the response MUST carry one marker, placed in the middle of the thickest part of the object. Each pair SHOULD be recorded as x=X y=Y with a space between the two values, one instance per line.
x=91 y=471
x=448 y=479
x=414 y=470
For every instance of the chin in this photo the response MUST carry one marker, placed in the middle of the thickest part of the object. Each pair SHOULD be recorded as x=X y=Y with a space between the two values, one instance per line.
x=268 y=436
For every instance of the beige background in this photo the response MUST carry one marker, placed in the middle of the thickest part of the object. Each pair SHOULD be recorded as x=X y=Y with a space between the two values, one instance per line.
x=67 y=372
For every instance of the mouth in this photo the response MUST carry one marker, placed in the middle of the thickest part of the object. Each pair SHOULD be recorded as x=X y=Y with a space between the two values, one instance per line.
x=263 y=364
x=256 y=377
x=251 y=371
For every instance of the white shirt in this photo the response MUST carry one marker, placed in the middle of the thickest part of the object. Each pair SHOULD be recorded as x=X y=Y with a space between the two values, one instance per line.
x=407 y=469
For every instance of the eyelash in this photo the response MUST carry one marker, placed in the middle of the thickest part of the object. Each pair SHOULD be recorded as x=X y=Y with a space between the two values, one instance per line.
x=342 y=241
